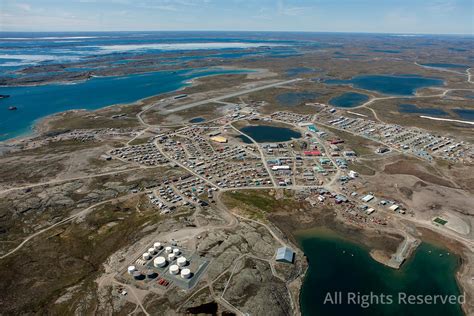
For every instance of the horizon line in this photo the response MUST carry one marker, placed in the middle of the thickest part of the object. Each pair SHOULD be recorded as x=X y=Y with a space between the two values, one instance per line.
x=246 y=31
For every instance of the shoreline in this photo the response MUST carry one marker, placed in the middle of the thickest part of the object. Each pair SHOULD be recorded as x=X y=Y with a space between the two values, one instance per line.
x=327 y=224
x=427 y=236
x=82 y=80
x=38 y=126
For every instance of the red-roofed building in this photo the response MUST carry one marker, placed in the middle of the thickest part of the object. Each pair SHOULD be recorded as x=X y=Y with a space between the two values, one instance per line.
x=312 y=153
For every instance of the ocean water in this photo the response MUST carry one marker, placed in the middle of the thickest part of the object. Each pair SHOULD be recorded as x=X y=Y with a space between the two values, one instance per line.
x=349 y=100
x=36 y=102
x=268 y=134
x=390 y=84
x=338 y=265
x=94 y=51
x=29 y=49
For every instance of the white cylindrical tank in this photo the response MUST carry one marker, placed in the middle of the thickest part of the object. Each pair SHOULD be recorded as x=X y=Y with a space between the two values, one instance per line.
x=174 y=269
x=182 y=261
x=157 y=246
x=159 y=262
x=151 y=251
x=131 y=269
x=186 y=273
x=171 y=256
x=146 y=256
x=176 y=251
x=168 y=249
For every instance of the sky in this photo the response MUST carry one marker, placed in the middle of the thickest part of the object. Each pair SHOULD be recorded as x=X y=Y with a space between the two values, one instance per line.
x=372 y=16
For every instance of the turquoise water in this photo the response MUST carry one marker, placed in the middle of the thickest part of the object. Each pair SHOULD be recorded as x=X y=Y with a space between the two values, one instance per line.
x=388 y=84
x=268 y=134
x=349 y=100
x=37 y=102
x=337 y=265
x=413 y=109
x=296 y=98
x=465 y=114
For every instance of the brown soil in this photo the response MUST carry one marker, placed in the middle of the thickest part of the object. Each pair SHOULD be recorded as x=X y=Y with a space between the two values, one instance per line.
x=411 y=168
x=380 y=256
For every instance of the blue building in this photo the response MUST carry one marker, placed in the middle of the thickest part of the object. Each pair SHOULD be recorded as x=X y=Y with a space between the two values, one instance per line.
x=285 y=254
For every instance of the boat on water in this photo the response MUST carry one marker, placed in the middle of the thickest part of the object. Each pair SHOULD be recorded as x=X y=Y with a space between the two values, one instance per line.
x=12 y=108
x=4 y=96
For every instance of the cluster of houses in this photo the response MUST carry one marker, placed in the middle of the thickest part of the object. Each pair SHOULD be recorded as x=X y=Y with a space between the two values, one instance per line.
x=207 y=153
x=145 y=154
x=412 y=140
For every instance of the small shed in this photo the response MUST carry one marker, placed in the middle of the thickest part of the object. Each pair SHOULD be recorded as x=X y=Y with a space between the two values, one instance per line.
x=394 y=207
x=285 y=254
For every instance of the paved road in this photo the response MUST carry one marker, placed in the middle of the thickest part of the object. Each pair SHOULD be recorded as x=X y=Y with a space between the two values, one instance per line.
x=227 y=96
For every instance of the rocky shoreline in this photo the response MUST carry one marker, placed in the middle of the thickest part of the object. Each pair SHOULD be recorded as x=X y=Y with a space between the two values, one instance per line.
x=42 y=125
x=383 y=255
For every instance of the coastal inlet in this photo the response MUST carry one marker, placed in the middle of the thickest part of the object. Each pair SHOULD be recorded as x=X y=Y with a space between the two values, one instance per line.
x=338 y=265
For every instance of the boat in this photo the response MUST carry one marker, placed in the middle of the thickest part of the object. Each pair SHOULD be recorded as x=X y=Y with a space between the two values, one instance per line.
x=4 y=96
x=12 y=108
